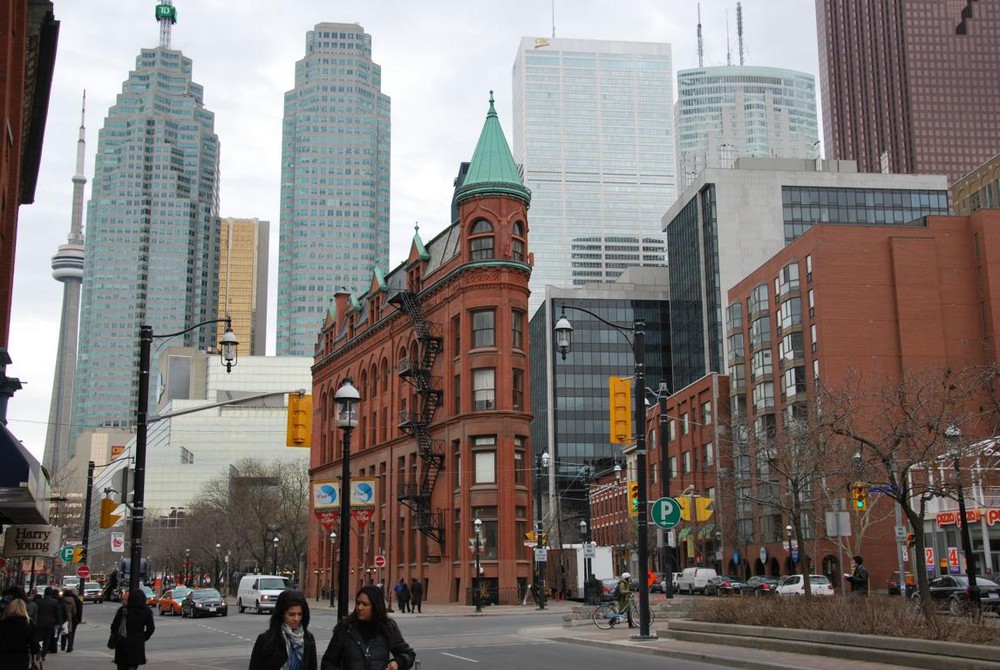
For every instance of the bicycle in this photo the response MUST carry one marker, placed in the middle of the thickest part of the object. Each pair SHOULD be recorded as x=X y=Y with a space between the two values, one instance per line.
x=606 y=615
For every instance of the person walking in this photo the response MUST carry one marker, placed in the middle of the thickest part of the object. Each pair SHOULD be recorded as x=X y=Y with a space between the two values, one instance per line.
x=287 y=643
x=51 y=615
x=858 y=580
x=73 y=617
x=17 y=637
x=398 y=589
x=417 y=594
x=130 y=650
x=405 y=595
x=367 y=638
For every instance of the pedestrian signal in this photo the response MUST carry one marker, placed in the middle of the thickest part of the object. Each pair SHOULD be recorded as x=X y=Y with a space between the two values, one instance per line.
x=633 y=498
x=911 y=539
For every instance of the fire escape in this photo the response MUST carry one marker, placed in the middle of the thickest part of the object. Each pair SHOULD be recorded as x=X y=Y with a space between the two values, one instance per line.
x=416 y=421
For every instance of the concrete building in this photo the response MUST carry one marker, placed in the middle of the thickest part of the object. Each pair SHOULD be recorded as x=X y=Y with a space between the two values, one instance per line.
x=906 y=84
x=729 y=112
x=885 y=302
x=152 y=234
x=729 y=221
x=979 y=189
x=593 y=133
x=438 y=351
x=243 y=253
x=334 y=225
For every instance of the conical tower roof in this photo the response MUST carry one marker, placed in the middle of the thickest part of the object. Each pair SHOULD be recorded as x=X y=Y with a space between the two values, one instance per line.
x=492 y=169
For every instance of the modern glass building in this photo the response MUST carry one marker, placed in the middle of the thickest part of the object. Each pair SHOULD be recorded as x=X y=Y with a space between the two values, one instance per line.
x=593 y=132
x=334 y=220
x=730 y=221
x=152 y=234
x=724 y=113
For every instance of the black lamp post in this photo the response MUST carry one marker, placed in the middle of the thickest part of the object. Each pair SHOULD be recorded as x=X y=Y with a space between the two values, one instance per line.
x=664 y=438
x=274 y=558
x=229 y=575
x=333 y=591
x=478 y=599
x=791 y=561
x=541 y=465
x=954 y=435
x=564 y=334
x=227 y=354
x=216 y=573
x=585 y=531
x=347 y=419
x=187 y=567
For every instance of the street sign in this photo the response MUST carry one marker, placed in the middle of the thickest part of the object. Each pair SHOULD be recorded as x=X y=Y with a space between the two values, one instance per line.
x=541 y=555
x=83 y=571
x=666 y=513
x=66 y=554
x=763 y=555
x=589 y=549
x=380 y=561
x=900 y=533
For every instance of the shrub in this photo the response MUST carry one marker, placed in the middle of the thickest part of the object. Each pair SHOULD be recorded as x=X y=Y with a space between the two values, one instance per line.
x=876 y=615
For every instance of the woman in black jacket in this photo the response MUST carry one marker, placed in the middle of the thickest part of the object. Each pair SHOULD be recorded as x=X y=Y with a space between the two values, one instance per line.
x=367 y=639
x=130 y=652
x=17 y=637
x=287 y=643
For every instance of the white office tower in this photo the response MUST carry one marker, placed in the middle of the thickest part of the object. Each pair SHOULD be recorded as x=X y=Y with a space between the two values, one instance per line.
x=593 y=133
x=729 y=112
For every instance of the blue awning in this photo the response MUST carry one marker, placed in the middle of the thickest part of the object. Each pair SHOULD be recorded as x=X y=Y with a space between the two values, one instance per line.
x=24 y=487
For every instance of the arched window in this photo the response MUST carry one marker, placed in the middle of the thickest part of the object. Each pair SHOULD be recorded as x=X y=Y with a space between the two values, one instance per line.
x=481 y=241
x=517 y=242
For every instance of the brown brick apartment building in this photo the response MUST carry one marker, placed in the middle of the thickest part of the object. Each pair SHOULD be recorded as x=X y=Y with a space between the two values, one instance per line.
x=844 y=299
x=438 y=350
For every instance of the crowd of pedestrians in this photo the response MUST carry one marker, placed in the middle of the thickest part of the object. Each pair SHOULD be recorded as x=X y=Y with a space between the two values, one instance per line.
x=34 y=625
x=409 y=598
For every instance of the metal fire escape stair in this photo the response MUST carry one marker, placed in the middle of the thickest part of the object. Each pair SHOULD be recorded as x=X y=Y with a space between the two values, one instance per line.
x=417 y=421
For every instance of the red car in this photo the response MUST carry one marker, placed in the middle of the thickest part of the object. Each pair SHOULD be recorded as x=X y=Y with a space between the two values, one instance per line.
x=170 y=601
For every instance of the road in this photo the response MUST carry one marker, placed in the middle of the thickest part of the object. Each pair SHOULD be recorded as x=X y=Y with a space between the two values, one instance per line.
x=443 y=642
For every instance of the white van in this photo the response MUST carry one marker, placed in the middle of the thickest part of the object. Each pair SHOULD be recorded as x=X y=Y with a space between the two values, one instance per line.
x=694 y=579
x=260 y=592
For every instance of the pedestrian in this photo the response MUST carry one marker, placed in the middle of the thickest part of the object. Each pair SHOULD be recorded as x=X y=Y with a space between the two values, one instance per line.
x=73 y=608
x=130 y=649
x=287 y=643
x=417 y=594
x=405 y=595
x=17 y=637
x=625 y=597
x=367 y=638
x=398 y=588
x=51 y=615
x=858 y=580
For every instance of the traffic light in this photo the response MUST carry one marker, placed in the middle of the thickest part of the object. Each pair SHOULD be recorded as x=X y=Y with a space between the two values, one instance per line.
x=77 y=555
x=703 y=508
x=633 y=498
x=108 y=516
x=911 y=540
x=859 y=493
x=684 y=502
x=300 y=414
x=620 y=399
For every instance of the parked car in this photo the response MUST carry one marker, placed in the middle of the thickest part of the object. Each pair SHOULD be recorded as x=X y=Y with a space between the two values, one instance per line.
x=695 y=579
x=92 y=592
x=723 y=585
x=170 y=601
x=674 y=576
x=893 y=585
x=608 y=586
x=760 y=586
x=657 y=585
x=203 y=602
x=951 y=592
x=795 y=585
x=259 y=592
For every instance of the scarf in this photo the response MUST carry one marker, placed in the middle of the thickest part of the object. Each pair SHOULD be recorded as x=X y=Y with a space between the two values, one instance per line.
x=294 y=645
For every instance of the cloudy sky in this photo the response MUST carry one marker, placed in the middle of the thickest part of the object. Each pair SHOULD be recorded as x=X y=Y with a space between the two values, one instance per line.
x=439 y=60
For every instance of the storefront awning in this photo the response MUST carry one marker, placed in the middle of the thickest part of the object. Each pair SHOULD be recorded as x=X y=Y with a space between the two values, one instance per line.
x=705 y=532
x=685 y=532
x=24 y=488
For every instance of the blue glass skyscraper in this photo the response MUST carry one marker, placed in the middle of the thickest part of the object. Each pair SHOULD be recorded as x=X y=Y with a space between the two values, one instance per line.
x=334 y=226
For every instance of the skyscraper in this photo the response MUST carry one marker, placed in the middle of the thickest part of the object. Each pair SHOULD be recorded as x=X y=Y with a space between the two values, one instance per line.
x=911 y=80
x=334 y=227
x=243 y=245
x=724 y=113
x=67 y=267
x=152 y=232
x=593 y=132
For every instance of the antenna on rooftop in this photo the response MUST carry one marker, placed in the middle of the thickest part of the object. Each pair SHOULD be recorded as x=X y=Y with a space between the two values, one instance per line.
x=739 y=28
x=701 y=45
x=553 y=19
x=729 y=51
x=166 y=15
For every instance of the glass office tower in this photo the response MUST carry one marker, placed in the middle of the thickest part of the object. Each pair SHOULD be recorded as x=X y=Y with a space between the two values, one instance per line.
x=593 y=132
x=334 y=227
x=152 y=234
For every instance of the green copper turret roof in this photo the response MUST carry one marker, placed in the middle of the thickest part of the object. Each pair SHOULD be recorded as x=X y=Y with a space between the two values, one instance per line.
x=492 y=169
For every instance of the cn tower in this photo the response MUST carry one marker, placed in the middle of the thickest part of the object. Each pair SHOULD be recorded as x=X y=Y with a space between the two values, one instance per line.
x=67 y=267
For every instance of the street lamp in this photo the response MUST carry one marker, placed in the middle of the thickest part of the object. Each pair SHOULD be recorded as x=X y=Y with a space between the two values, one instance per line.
x=954 y=435
x=333 y=541
x=274 y=562
x=791 y=562
x=187 y=567
x=479 y=541
x=229 y=576
x=541 y=464
x=216 y=574
x=564 y=335
x=227 y=354
x=347 y=419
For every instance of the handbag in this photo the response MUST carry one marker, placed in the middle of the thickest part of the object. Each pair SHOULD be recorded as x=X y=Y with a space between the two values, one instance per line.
x=119 y=632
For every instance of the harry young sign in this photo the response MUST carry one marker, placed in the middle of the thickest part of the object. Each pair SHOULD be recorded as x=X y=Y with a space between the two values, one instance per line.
x=33 y=540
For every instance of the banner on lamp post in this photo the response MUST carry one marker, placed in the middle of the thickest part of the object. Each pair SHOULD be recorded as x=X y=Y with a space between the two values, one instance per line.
x=118 y=541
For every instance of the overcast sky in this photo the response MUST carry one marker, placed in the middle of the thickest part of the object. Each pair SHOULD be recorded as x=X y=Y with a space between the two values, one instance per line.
x=439 y=60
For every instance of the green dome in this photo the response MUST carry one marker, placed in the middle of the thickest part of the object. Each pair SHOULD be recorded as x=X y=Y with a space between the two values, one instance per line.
x=492 y=169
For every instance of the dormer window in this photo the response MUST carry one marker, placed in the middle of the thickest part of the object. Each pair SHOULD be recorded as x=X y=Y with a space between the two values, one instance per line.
x=481 y=241
x=517 y=242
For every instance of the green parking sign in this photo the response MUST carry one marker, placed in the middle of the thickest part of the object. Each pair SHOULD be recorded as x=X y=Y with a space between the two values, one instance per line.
x=666 y=513
x=66 y=554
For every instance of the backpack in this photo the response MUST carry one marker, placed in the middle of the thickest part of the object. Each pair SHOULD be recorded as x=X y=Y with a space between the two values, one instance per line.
x=616 y=592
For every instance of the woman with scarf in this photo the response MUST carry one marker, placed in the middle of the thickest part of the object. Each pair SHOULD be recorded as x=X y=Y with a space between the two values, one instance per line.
x=367 y=639
x=287 y=644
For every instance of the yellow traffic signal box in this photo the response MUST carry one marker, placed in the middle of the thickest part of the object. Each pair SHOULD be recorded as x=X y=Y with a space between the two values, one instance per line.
x=299 y=433
x=633 y=498
x=108 y=516
x=704 y=508
x=620 y=398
